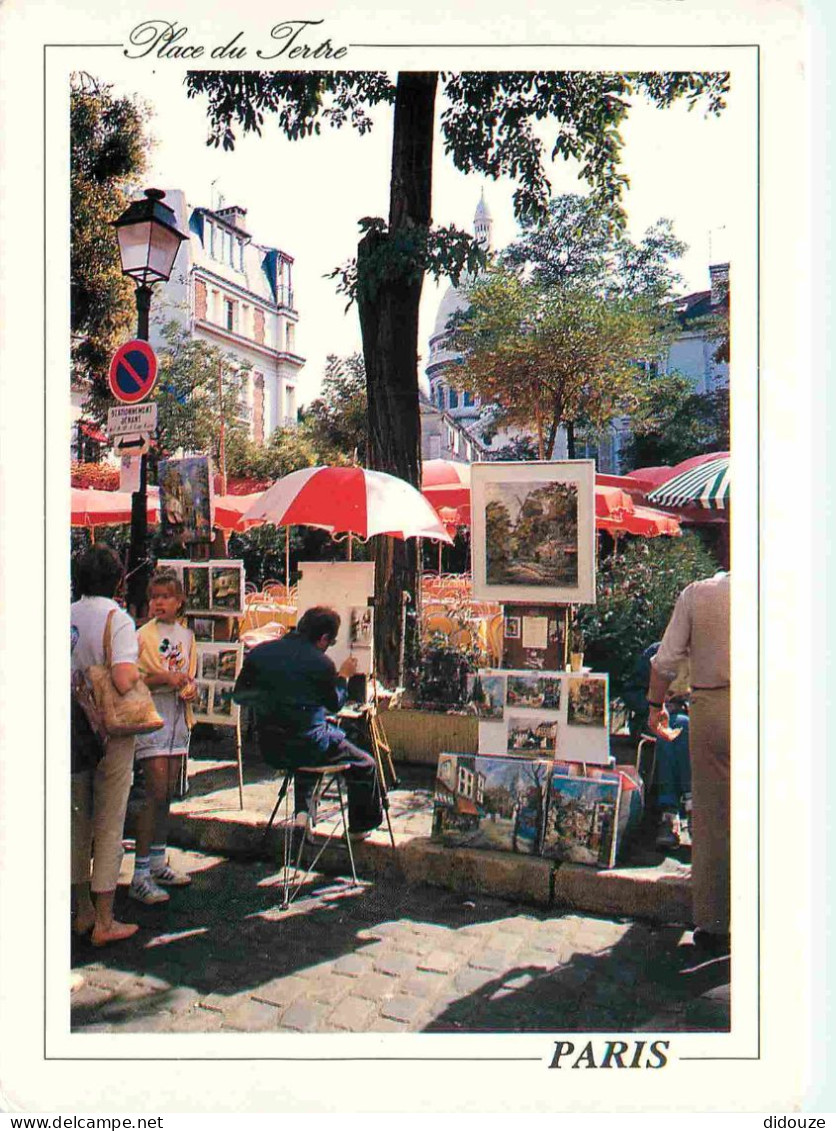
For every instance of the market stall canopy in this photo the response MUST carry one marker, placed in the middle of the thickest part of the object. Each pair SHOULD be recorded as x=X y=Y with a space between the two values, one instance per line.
x=349 y=500
x=705 y=484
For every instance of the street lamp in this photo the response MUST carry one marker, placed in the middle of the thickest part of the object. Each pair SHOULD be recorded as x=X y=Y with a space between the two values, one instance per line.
x=149 y=240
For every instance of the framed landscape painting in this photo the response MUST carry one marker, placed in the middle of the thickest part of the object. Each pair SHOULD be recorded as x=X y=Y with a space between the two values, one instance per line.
x=534 y=531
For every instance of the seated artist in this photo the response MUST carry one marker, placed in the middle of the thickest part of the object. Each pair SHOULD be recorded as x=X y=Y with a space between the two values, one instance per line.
x=673 y=760
x=291 y=685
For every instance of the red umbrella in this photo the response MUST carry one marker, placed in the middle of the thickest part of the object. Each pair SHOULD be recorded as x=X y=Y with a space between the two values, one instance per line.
x=611 y=501
x=349 y=500
x=644 y=521
x=230 y=511
x=91 y=507
x=446 y=483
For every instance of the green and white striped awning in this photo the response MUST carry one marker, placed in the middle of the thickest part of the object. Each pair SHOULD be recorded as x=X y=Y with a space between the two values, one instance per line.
x=706 y=485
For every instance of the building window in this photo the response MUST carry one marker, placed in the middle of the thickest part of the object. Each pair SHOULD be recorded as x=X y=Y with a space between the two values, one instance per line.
x=229 y=314
x=211 y=238
x=290 y=336
x=468 y=401
x=290 y=404
x=454 y=399
x=439 y=395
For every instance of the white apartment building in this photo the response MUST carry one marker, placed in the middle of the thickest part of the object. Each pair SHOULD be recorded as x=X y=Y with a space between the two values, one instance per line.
x=237 y=295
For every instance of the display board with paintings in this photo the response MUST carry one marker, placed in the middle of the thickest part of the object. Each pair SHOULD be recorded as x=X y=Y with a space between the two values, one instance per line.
x=555 y=714
x=530 y=806
x=212 y=588
x=218 y=666
x=533 y=532
x=348 y=588
x=534 y=637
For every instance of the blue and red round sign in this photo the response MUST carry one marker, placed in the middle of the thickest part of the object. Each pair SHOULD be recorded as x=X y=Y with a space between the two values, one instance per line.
x=133 y=372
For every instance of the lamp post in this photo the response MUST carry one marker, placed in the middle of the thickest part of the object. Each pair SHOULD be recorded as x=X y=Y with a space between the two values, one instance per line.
x=149 y=240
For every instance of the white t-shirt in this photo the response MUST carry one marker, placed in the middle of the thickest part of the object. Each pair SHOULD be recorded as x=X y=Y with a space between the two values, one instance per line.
x=88 y=618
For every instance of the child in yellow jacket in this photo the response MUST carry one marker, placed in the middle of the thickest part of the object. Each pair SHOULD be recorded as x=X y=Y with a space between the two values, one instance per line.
x=168 y=662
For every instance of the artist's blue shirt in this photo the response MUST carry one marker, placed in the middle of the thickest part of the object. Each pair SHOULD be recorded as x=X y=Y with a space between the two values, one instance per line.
x=292 y=685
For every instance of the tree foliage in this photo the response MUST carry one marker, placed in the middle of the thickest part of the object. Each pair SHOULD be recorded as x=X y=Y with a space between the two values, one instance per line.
x=672 y=422
x=580 y=244
x=554 y=335
x=635 y=594
x=339 y=415
x=551 y=356
x=108 y=145
x=197 y=384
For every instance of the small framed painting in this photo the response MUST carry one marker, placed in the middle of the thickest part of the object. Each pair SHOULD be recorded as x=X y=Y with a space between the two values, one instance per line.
x=227 y=587
x=534 y=532
x=203 y=629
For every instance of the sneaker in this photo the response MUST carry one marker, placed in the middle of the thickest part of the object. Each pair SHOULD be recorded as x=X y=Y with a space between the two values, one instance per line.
x=170 y=878
x=144 y=890
x=667 y=834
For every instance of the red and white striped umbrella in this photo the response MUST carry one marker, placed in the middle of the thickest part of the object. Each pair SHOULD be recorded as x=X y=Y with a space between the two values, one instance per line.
x=349 y=500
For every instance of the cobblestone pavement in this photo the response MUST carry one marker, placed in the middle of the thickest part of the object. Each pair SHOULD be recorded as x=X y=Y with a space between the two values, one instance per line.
x=222 y=956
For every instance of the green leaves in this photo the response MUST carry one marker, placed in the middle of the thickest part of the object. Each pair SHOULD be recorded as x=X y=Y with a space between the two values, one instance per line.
x=636 y=592
x=405 y=255
x=107 y=157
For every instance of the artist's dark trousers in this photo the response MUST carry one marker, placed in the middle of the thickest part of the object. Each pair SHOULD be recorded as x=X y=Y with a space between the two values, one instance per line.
x=364 y=807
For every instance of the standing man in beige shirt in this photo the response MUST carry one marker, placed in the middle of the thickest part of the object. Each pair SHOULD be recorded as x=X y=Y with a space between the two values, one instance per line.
x=699 y=630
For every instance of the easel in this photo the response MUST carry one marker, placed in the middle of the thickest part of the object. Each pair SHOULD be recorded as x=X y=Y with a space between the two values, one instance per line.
x=379 y=748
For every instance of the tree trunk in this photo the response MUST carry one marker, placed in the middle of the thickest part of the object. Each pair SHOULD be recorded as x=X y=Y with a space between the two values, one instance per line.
x=570 y=439
x=389 y=295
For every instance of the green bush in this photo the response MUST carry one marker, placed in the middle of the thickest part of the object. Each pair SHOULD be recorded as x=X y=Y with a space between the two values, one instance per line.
x=636 y=592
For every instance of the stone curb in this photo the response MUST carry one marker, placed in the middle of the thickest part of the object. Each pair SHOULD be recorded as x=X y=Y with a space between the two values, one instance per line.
x=634 y=893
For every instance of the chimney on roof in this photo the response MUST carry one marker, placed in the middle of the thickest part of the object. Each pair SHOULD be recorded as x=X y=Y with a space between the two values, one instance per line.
x=234 y=215
x=719 y=273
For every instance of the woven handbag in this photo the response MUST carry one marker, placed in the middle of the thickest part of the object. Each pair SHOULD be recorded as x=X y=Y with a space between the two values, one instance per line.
x=131 y=713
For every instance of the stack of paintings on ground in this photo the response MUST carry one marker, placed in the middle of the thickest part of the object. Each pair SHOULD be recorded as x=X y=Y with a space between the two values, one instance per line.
x=561 y=810
x=543 y=781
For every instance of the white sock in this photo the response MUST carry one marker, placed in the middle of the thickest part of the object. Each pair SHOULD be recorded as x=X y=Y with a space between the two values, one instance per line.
x=157 y=858
x=142 y=867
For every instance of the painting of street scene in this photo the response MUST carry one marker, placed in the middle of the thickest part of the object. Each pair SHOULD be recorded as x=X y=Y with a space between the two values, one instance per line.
x=360 y=627
x=186 y=500
x=581 y=821
x=228 y=589
x=196 y=585
x=533 y=691
x=529 y=734
x=531 y=534
x=495 y=803
x=587 y=703
x=486 y=694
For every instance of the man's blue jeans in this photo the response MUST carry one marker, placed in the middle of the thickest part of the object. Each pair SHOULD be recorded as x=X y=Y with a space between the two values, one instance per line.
x=673 y=765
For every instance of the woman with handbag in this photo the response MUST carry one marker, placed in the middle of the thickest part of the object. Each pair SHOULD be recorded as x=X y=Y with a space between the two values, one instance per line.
x=100 y=796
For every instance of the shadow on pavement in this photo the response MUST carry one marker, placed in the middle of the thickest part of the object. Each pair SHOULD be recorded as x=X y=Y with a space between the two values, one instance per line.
x=226 y=935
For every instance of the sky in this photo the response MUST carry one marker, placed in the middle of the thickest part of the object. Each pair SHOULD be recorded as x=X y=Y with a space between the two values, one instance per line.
x=306 y=197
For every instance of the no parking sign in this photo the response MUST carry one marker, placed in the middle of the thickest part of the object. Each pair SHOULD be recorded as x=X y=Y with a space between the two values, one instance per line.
x=133 y=372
